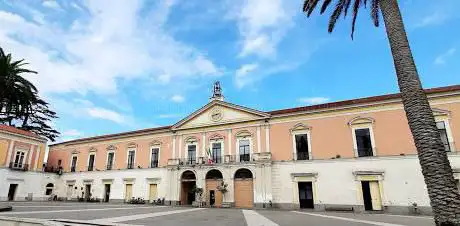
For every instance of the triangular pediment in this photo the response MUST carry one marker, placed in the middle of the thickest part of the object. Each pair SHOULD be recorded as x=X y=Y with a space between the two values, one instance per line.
x=218 y=113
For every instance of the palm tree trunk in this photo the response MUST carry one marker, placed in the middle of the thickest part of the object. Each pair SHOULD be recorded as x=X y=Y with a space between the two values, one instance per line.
x=444 y=197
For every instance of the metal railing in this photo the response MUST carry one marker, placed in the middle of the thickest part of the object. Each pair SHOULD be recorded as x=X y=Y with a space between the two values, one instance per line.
x=19 y=166
x=109 y=166
x=73 y=169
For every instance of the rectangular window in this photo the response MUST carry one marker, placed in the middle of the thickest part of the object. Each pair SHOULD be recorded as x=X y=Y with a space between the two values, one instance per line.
x=74 y=164
x=363 y=142
x=216 y=152
x=244 y=150
x=131 y=155
x=91 y=162
x=301 y=145
x=154 y=157
x=444 y=138
x=191 y=154
x=19 y=159
x=110 y=160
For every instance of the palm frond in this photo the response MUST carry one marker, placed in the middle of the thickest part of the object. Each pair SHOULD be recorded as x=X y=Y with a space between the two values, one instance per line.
x=309 y=6
x=355 y=15
x=346 y=7
x=336 y=14
x=325 y=5
x=375 y=12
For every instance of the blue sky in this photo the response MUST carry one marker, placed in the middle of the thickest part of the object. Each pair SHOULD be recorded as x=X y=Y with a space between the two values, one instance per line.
x=112 y=66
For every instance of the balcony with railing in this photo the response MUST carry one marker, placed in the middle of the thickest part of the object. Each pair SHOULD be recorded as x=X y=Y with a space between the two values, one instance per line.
x=18 y=166
x=226 y=159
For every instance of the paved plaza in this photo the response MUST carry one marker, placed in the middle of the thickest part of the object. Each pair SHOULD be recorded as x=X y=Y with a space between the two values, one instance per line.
x=123 y=214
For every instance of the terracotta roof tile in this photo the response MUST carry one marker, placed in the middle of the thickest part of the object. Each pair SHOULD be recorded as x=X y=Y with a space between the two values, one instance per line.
x=15 y=130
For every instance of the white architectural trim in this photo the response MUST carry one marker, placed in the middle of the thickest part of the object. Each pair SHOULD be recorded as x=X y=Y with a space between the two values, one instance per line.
x=36 y=158
x=187 y=145
x=30 y=155
x=180 y=147
x=10 y=152
x=127 y=157
x=251 y=149
x=450 y=138
x=174 y=147
x=203 y=143
x=267 y=138
x=222 y=147
x=258 y=140
x=107 y=159
x=295 y=132
x=94 y=163
x=230 y=141
x=371 y=133
x=16 y=151
x=151 y=151
x=76 y=162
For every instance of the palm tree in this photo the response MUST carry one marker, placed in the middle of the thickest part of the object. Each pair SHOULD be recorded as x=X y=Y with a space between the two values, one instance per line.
x=16 y=92
x=444 y=197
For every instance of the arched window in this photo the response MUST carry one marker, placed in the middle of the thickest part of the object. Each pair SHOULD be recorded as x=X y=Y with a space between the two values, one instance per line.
x=243 y=174
x=49 y=189
x=214 y=174
x=188 y=175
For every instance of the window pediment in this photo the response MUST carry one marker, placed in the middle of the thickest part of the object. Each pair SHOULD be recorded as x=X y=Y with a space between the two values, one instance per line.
x=92 y=149
x=440 y=112
x=156 y=143
x=361 y=120
x=243 y=134
x=300 y=127
x=216 y=137
x=131 y=145
x=191 y=139
x=111 y=147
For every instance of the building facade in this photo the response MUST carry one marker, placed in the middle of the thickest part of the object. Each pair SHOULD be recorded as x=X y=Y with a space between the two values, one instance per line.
x=22 y=155
x=350 y=154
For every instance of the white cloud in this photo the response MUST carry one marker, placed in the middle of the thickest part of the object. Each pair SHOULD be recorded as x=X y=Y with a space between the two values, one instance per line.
x=72 y=133
x=432 y=19
x=178 y=98
x=97 y=50
x=106 y=114
x=313 y=100
x=51 y=4
x=262 y=25
x=242 y=75
x=441 y=59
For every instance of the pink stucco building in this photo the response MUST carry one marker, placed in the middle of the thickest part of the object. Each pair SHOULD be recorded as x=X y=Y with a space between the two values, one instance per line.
x=349 y=154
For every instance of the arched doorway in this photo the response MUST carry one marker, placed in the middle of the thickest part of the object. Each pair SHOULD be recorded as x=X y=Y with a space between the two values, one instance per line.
x=188 y=183
x=243 y=187
x=214 y=179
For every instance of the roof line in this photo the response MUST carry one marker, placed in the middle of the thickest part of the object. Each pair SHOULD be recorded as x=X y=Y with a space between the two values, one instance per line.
x=336 y=104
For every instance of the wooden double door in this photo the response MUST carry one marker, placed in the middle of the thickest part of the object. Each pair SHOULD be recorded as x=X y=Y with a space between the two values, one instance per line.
x=244 y=193
x=213 y=195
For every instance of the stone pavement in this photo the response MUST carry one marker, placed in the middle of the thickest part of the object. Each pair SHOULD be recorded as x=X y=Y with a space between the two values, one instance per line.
x=123 y=214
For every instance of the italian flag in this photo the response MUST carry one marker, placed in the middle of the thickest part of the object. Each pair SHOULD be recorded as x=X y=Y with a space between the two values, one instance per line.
x=209 y=156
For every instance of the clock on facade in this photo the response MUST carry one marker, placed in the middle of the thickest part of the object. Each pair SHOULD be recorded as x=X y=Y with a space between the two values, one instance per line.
x=216 y=114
